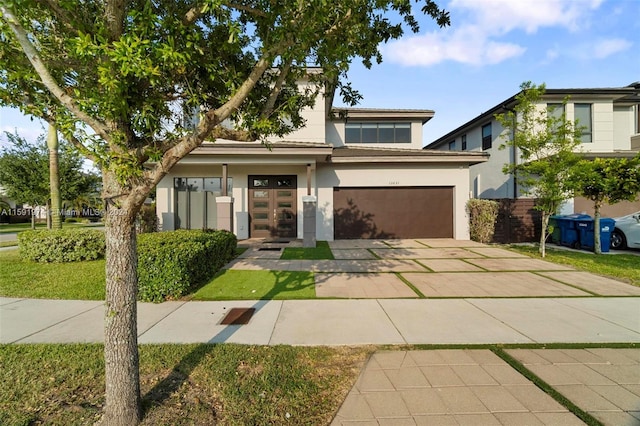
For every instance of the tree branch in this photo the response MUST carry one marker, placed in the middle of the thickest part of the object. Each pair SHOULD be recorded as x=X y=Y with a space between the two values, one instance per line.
x=211 y=119
x=195 y=12
x=59 y=12
x=46 y=78
x=220 y=132
x=277 y=88
x=247 y=9
x=114 y=13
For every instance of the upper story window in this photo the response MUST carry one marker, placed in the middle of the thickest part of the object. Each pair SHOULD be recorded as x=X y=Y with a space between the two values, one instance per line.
x=486 y=136
x=555 y=111
x=452 y=145
x=367 y=132
x=464 y=142
x=582 y=114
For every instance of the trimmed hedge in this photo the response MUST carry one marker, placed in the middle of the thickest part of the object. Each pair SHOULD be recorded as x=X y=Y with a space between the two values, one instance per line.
x=482 y=219
x=171 y=263
x=61 y=245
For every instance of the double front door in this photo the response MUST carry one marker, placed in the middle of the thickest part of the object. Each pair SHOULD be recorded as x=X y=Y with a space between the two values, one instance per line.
x=272 y=206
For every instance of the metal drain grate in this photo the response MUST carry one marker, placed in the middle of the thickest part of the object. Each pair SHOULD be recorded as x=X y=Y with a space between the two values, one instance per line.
x=270 y=249
x=238 y=316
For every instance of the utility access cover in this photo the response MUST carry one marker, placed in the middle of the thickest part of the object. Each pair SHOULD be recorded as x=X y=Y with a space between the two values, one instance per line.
x=238 y=316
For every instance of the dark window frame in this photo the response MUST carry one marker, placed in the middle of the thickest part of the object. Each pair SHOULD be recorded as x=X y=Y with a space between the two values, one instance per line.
x=589 y=126
x=452 y=145
x=463 y=140
x=486 y=139
x=399 y=130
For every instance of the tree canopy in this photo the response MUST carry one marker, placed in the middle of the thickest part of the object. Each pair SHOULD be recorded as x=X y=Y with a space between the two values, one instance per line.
x=606 y=180
x=545 y=142
x=24 y=172
x=121 y=80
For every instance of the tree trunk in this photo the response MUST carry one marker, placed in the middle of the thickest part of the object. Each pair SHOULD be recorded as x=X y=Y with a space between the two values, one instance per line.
x=122 y=379
x=48 y=214
x=543 y=234
x=54 y=179
x=596 y=228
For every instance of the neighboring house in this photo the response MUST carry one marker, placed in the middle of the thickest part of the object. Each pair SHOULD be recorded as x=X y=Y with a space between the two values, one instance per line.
x=362 y=173
x=611 y=119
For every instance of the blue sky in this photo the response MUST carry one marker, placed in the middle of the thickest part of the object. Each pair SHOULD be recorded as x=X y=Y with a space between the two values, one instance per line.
x=491 y=47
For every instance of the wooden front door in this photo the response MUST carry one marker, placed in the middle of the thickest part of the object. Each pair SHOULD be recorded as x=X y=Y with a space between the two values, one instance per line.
x=272 y=206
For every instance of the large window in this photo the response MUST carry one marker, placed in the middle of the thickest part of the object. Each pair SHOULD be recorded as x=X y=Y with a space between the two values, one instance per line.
x=555 y=112
x=464 y=142
x=367 y=132
x=486 y=136
x=195 y=201
x=582 y=114
x=452 y=145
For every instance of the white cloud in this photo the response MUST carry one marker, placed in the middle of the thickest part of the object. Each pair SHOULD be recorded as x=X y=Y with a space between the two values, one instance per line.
x=603 y=48
x=478 y=29
x=528 y=15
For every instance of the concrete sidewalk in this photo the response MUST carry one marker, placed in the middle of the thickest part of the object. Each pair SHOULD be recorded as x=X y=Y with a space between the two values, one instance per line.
x=433 y=387
x=337 y=322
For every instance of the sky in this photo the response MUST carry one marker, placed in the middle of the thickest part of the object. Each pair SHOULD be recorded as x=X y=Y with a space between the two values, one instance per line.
x=491 y=47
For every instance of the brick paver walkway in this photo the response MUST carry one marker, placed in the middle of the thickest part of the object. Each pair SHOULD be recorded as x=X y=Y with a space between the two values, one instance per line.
x=447 y=387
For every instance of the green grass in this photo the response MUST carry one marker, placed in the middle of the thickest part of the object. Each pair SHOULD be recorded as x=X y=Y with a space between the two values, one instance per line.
x=75 y=280
x=624 y=267
x=320 y=252
x=252 y=285
x=181 y=384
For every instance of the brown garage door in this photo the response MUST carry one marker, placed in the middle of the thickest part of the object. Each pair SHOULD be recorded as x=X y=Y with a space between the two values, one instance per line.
x=398 y=212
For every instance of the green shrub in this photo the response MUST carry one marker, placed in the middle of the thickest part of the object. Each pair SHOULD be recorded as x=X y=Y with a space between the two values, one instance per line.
x=71 y=220
x=482 y=219
x=147 y=220
x=170 y=263
x=63 y=245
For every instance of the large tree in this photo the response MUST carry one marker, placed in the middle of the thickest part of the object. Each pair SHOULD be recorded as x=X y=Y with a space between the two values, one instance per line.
x=545 y=142
x=113 y=75
x=24 y=172
x=606 y=180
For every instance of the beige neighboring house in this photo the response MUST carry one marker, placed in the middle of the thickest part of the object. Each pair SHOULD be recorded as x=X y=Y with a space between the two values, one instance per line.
x=611 y=117
x=349 y=173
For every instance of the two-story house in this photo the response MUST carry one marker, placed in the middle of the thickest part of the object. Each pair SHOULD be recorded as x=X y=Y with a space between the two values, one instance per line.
x=361 y=172
x=611 y=121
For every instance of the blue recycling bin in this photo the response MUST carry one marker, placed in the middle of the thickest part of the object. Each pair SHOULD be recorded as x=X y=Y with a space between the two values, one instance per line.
x=569 y=233
x=586 y=233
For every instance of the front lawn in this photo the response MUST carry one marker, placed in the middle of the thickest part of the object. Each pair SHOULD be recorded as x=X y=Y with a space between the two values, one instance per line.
x=319 y=252
x=74 y=280
x=625 y=267
x=181 y=384
x=253 y=285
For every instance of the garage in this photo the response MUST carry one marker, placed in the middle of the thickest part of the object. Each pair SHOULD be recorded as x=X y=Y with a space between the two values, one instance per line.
x=393 y=212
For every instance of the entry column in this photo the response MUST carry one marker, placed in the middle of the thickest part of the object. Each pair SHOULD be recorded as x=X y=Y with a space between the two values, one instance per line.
x=224 y=207
x=309 y=207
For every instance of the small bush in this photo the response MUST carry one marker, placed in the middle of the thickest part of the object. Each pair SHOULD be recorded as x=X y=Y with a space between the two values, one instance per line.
x=147 y=220
x=71 y=220
x=482 y=219
x=63 y=245
x=171 y=263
